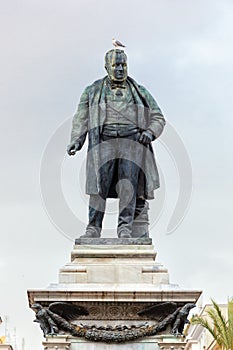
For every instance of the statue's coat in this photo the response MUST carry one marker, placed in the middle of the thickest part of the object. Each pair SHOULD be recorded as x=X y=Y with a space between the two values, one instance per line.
x=90 y=117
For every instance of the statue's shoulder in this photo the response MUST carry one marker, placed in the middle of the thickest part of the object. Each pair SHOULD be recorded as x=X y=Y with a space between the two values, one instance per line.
x=145 y=94
x=143 y=90
x=139 y=87
x=93 y=91
x=97 y=84
x=92 y=88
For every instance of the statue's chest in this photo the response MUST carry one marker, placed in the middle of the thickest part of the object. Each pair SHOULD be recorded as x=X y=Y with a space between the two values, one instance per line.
x=119 y=100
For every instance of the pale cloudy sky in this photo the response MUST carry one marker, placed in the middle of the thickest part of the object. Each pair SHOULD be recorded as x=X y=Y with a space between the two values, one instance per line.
x=50 y=50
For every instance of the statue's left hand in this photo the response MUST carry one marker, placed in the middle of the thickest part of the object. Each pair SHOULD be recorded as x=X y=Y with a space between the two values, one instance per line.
x=145 y=137
x=73 y=147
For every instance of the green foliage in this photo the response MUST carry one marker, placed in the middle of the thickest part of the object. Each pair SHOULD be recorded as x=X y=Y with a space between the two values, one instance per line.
x=220 y=327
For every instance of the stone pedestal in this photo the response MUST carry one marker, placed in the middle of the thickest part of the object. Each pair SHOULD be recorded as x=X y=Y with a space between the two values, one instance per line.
x=57 y=343
x=80 y=344
x=114 y=279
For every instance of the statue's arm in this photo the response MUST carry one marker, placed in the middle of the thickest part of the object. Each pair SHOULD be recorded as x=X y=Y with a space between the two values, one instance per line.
x=79 y=125
x=156 y=118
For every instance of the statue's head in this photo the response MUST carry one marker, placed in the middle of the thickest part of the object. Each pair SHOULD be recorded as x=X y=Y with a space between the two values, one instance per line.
x=116 y=65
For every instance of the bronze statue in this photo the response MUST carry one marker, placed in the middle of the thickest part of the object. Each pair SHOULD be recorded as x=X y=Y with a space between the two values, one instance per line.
x=121 y=119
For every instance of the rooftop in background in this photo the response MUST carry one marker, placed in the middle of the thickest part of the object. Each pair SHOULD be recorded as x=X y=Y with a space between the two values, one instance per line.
x=199 y=338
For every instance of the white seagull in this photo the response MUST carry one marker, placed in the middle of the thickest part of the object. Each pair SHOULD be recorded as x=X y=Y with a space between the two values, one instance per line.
x=117 y=43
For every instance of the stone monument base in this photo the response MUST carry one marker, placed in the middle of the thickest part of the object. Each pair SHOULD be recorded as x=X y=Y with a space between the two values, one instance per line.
x=115 y=280
x=151 y=343
x=69 y=343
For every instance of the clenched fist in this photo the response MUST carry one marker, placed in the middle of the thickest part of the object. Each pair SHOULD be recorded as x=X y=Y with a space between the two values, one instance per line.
x=73 y=147
x=145 y=137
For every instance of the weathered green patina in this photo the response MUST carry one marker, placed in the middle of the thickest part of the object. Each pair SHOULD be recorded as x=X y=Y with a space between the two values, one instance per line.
x=90 y=118
x=145 y=120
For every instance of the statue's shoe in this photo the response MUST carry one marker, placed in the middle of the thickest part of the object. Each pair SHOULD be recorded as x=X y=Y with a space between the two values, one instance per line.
x=91 y=234
x=124 y=234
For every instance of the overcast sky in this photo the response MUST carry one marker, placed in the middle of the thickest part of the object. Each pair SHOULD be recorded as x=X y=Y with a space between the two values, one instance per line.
x=50 y=50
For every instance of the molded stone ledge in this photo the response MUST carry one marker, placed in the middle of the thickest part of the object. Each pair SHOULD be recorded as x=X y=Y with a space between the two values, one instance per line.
x=113 y=293
x=172 y=346
x=113 y=251
x=154 y=269
x=58 y=342
x=113 y=241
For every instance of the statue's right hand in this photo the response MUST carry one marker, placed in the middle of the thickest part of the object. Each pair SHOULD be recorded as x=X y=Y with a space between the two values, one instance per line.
x=73 y=147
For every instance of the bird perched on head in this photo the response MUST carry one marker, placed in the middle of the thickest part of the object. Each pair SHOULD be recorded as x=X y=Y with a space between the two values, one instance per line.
x=117 y=43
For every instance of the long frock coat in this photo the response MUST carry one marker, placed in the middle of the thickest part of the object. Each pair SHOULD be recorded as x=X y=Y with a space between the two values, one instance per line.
x=89 y=119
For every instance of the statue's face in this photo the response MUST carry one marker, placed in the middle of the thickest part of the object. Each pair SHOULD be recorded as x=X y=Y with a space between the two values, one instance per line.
x=117 y=68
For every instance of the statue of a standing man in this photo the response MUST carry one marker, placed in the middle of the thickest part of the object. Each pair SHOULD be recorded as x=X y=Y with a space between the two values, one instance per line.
x=121 y=119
